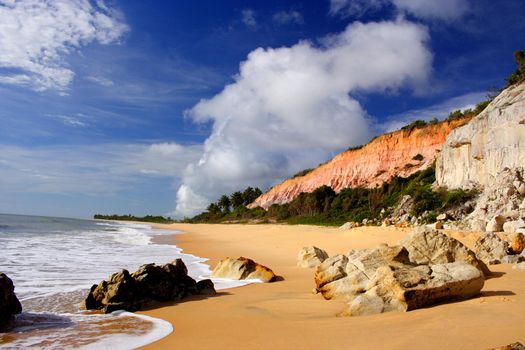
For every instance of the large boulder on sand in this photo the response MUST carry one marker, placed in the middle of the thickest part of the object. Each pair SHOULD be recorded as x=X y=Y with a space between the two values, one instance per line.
x=427 y=247
x=343 y=275
x=490 y=248
x=9 y=304
x=243 y=269
x=311 y=257
x=150 y=283
x=409 y=288
x=427 y=267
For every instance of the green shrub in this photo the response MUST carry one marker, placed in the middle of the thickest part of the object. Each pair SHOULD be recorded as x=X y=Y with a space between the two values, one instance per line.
x=355 y=148
x=416 y=124
x=303 y=173
x=519 y=74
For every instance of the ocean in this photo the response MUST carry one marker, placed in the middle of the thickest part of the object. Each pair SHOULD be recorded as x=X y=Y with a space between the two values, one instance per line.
x=54 y=261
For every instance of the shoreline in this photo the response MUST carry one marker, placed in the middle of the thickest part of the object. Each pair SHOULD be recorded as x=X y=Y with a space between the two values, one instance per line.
x=287 y=315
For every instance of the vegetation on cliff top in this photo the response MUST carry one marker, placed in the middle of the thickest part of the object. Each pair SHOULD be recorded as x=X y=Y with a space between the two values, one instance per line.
x=325 y=207
x=518 y=75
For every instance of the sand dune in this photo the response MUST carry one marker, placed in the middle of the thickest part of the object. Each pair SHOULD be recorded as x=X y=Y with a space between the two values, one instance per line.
x=287 y=315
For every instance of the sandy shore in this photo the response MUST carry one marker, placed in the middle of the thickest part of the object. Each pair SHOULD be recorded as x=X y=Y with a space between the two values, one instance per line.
x=287 y=315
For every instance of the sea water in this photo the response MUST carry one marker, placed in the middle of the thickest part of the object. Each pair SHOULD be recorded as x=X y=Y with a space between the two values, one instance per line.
x=54 y=261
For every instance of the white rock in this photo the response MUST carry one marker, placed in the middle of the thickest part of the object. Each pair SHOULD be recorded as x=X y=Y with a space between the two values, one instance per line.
x=347 y=226
x=495 y=224
x=519 y=266
x=311 y=257
x=510 y=226
x=512 y=259
x=442 y=217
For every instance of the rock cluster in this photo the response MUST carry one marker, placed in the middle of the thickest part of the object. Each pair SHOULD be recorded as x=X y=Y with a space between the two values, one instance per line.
x=311 y=257
x=501 y=205
x=425 y=268
x=9 y=304
x=150 y=283
x=242 y=269
x=492 y=249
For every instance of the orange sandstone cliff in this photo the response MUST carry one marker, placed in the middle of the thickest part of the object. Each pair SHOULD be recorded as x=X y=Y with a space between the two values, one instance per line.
x=400 y=153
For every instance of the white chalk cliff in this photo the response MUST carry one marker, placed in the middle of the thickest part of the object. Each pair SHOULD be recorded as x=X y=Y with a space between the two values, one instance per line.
x=474 y=154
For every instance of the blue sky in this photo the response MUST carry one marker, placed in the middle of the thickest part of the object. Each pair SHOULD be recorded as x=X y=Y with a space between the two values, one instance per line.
x=159 y=107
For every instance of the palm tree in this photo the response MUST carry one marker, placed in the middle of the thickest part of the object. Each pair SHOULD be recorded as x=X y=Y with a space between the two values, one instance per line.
x=237 y=199
x=224 y=203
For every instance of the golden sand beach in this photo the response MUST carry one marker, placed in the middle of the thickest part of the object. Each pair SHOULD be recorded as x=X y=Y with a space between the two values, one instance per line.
x=287 y=315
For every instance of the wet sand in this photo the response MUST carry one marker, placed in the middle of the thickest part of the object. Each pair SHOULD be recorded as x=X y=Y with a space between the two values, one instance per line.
x=287 y=315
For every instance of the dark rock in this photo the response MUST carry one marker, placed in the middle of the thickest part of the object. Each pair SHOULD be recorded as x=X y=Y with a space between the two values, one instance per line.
x=9 y=304
x=206 y=287
x=150 y=283
x=513 y=346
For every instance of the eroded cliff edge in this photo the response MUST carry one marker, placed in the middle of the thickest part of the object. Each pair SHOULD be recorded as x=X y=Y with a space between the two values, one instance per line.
x=475 y=154
x=399 y=153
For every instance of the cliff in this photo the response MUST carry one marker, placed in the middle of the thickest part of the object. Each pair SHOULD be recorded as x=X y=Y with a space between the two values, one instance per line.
x=476 y=153
x=400 y=153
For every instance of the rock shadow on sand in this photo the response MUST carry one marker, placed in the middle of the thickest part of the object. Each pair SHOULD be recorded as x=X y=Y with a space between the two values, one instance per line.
x=188 y=299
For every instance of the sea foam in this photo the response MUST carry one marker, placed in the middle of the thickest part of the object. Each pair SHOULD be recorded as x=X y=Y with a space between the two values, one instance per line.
x=54 y=262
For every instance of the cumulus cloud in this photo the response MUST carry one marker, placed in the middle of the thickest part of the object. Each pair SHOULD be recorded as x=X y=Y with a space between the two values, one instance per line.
x=248 y=18
x=288 y=17
x=90 y=170
x=290 y=107
x=442 y=9
x=37 y=35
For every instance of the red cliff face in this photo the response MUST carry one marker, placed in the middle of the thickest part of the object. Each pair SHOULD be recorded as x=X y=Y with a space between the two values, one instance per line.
x=399 y=153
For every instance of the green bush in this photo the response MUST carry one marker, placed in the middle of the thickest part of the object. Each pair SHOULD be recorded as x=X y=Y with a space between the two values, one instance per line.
x=519 y=74
x=416 y=124
x=303 y=173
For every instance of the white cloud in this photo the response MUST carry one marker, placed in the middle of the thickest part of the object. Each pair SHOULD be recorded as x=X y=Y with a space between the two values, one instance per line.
x=100 y=80
x=90 y=170
x=442 y=9
x=426 y=9
x=248 y=18
x=288 y=17
x=37 y=35
x=439 y=111
x=355 y=8
x=289 y=108
x=72 y=121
